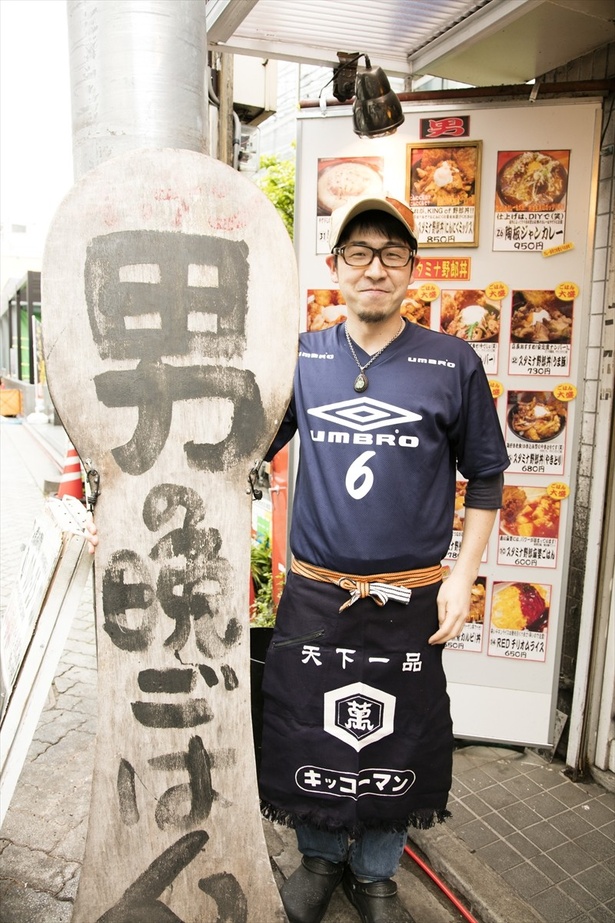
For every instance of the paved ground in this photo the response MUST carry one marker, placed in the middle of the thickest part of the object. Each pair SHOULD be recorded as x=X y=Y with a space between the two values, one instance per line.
x=525 y=844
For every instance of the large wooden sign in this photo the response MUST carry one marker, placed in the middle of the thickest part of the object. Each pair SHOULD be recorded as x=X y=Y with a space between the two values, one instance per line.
x=170 y=311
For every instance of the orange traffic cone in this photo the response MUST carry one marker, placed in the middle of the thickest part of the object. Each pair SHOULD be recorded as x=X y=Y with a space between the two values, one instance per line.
x=71 y=482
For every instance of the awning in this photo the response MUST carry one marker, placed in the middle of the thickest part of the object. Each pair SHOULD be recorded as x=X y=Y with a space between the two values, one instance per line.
x=476 y=42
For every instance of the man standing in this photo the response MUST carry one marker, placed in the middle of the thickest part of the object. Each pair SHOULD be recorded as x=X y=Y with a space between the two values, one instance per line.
x=357 y=741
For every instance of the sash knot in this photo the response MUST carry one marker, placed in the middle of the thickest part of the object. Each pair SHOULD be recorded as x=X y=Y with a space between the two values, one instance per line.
x=381 y=593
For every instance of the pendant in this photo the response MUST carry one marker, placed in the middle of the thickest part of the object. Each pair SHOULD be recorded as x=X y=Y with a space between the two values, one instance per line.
x=361 y=382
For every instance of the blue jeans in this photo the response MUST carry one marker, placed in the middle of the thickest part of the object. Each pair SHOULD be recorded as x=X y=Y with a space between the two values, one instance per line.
x=373 y=857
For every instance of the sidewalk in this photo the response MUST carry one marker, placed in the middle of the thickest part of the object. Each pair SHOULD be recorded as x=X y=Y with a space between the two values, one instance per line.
x=524 y=844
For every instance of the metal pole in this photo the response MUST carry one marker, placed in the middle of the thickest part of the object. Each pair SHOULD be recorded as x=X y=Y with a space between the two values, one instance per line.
x=137 y=77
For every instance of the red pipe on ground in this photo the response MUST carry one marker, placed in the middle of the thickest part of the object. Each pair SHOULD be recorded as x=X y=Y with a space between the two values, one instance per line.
x=445 y=890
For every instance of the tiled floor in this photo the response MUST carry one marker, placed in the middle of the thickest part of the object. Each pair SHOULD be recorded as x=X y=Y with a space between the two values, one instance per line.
x=551 y=839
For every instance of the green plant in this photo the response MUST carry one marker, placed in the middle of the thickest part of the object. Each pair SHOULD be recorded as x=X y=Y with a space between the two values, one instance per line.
x=278 y=184
x=263 y=610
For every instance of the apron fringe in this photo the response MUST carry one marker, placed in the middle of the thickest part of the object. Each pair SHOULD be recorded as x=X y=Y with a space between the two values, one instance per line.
x=422 y=819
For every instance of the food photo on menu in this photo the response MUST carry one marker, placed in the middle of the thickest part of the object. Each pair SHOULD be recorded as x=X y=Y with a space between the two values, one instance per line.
x=325 y=308
x=532 y=180
x=442 y=176
x=442 y=188
x=535 y=416
x=469 y=315
x=530 y=200
x=340 y=179
x=540 y=317
x=416 y=309
x=529 y=512
x=520 y=607
x=478 y=594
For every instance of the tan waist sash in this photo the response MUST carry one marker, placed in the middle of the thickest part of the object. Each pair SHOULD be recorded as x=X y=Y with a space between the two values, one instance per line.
x=381 y=587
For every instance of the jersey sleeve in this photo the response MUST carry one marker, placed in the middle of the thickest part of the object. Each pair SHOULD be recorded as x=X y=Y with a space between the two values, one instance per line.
x=478 y=439
x=287 y=430
x=485 y=493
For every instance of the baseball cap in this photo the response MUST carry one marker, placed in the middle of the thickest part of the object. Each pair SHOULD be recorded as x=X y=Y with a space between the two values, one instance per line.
x=353 y=207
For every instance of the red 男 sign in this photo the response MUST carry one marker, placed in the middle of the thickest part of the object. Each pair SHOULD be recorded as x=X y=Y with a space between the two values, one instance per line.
x=454 y=126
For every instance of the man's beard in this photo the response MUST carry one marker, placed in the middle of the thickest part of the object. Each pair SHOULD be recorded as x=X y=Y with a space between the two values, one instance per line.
x=372 y=317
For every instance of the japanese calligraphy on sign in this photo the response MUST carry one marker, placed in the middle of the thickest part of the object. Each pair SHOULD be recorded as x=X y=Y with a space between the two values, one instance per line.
x=191 y=304
x=451 y=126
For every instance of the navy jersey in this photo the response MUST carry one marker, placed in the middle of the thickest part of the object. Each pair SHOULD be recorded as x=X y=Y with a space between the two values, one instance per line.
x=375 y=486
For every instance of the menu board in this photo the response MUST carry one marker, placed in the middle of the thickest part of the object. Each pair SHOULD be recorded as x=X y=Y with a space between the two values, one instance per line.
x=518 y=292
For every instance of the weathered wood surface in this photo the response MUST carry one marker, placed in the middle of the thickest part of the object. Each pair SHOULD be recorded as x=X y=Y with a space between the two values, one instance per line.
x=170 y=330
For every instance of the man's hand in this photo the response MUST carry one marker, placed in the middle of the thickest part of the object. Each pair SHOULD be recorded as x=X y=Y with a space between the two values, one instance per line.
x=91 y=533
x=456 y=591
x=453 y=607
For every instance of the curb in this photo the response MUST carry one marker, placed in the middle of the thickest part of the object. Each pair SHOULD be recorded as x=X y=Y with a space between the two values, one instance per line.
x=41 y=438
x=486 y=892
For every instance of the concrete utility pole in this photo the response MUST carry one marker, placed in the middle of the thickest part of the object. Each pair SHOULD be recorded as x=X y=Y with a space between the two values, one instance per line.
x=138 y=77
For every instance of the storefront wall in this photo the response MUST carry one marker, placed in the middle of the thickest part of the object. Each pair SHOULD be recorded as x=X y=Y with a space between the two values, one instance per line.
x=587 y=692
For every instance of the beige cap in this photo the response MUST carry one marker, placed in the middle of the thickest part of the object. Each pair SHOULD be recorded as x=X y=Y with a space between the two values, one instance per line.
x=353 y=207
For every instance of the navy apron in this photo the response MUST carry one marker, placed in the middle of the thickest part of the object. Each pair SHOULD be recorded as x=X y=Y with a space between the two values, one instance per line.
x=357 y=731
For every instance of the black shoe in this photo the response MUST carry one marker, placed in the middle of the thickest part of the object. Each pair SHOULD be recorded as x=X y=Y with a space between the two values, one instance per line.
x=376 y=901
x=306 y=894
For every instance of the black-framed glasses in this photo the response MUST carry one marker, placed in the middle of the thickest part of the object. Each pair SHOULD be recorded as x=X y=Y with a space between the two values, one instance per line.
x=394 y=256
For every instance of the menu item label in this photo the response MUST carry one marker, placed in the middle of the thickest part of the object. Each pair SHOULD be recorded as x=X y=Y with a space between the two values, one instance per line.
x=528 y=528
x=451 y=268
x=530 y=200
x=519 y=621
x=540 y=333
x=442 y=189
x=535 y=432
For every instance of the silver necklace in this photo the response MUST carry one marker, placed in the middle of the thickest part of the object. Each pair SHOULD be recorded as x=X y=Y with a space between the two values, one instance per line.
x=361 y=381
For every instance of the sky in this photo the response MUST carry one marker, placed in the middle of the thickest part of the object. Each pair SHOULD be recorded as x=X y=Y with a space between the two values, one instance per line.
x=35 y=122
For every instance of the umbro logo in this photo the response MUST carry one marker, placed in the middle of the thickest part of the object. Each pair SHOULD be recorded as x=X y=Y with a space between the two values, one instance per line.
x=364 y=414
